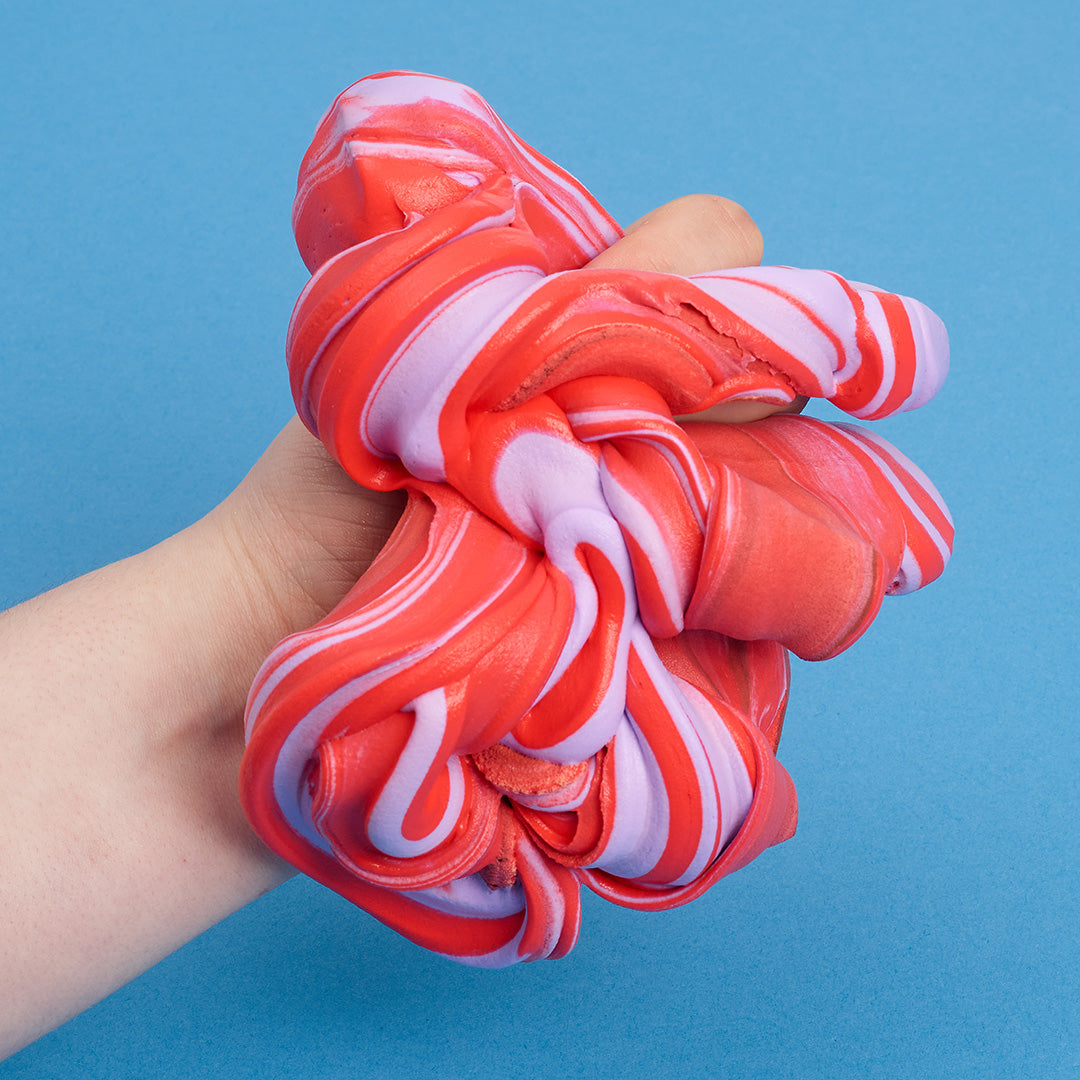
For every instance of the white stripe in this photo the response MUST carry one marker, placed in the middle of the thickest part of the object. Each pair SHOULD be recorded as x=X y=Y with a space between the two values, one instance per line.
x=297 y=747
x=790 y=329
x=679 y=452
x=636 y=518
x=401 y=415
x=491 y=221
x=879 y=326
x=640 y=825
x=370 y=617
x=910 y=571
x=385 y=828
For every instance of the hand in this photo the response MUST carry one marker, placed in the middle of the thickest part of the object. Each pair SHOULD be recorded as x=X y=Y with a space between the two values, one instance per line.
x=122 y=832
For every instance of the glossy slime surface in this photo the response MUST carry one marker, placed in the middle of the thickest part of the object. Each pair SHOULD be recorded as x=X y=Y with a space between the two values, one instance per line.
x=569 y=665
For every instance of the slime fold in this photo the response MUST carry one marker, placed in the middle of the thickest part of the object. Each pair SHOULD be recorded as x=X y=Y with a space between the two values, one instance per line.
x=569 y=665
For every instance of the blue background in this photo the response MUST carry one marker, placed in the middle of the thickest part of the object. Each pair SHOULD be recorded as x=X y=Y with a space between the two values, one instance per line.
x=923 y=922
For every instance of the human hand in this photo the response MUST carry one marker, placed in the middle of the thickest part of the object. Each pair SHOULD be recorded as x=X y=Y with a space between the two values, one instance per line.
x=127 y=690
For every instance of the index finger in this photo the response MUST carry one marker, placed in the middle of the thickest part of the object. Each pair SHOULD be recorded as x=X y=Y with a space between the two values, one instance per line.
x=691 y=235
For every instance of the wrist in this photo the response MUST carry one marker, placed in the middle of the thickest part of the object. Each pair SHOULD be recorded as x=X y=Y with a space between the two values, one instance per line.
x=124 y=837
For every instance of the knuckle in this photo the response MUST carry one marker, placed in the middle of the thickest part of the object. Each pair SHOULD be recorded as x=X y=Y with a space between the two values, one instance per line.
x=741 y=226
x=727 y=220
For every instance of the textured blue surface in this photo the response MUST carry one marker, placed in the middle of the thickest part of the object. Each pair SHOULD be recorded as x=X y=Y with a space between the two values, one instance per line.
x=923 y=921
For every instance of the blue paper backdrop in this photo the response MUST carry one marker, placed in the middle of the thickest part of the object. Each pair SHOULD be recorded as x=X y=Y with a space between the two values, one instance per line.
x=923 y=921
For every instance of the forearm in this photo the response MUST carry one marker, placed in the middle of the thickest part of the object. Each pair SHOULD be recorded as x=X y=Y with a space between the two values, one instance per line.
x=122 y=832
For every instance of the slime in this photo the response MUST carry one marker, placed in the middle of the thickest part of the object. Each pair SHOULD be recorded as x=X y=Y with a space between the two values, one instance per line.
x=569 y=664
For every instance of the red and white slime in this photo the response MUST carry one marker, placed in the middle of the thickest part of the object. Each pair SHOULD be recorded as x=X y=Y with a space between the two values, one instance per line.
x=569 y=665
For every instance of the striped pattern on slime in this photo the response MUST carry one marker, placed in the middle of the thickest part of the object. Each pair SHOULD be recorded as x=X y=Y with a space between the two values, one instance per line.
x=569 y=665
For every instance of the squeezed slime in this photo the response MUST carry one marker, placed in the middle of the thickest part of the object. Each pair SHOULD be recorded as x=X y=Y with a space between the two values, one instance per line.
x=569 y=665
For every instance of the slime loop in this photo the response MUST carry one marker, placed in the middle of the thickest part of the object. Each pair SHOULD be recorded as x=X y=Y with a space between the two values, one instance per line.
x=569 y=664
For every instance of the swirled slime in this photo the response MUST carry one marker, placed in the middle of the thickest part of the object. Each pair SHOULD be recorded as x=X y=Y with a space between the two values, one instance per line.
x=569 y=665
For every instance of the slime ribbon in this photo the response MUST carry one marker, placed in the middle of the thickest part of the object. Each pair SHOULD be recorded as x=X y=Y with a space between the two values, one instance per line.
x=569 y=665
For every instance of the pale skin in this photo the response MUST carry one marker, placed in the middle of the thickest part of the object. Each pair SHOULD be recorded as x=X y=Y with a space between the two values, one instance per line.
x=122 y=835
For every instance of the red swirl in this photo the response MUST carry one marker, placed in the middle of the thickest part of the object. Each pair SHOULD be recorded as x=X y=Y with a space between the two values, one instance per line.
x=569 y=665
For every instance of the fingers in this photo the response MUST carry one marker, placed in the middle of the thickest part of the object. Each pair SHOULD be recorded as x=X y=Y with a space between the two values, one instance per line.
x=743 y=412
x=693 y=235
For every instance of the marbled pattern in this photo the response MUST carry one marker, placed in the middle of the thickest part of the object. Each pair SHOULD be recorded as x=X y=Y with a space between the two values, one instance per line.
x=569 y=666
